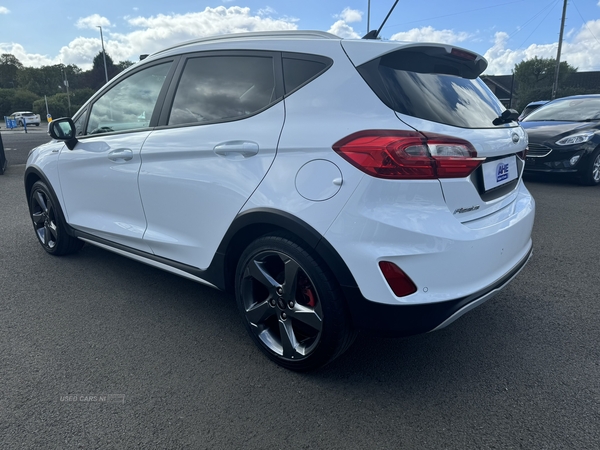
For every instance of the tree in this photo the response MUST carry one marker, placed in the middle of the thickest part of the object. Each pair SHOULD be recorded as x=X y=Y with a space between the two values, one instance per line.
x=58 y=105
x=12 y=100
x=122 y=65
x=9 y=68
x=535 y=78
x=96 y=77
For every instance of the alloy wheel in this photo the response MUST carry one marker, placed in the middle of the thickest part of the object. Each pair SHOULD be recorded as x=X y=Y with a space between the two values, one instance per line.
x=596 y=169
x=44 y=219
x=281 y=305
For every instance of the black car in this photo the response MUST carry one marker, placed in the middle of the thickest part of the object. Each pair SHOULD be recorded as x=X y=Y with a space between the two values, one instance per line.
x=531 y=107
x=564 y=137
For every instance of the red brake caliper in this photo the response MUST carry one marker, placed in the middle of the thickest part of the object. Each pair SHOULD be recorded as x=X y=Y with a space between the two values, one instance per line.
x=307 y=292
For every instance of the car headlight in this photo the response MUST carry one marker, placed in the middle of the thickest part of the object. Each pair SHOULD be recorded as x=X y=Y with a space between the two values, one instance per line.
x=576 y=138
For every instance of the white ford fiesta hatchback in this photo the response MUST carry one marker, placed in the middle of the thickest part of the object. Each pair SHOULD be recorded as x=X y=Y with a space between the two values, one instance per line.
x=332 y=185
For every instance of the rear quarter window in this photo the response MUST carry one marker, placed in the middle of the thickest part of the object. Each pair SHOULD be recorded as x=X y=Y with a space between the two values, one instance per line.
x=300 y=69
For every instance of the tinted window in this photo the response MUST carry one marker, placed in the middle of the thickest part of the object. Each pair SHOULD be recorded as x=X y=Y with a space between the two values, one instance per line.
x=432 y=90
x=219 y=88
x=129 y=104
x=296 y=72
x=568 y=109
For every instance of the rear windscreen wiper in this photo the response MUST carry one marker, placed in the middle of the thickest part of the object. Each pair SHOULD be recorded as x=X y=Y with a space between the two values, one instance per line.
x=509 y=115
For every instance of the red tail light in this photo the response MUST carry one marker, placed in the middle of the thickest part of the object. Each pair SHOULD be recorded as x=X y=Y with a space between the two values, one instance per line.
x=398 y=281
x=408 y=154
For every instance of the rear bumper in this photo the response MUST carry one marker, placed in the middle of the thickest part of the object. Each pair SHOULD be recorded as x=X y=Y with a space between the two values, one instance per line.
x=410 y=319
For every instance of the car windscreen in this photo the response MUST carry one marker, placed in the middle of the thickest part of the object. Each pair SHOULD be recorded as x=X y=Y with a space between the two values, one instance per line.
x=432 y=88
x=567 y=109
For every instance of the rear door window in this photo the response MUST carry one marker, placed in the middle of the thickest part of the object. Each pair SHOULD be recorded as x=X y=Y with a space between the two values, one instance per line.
x=219 y=88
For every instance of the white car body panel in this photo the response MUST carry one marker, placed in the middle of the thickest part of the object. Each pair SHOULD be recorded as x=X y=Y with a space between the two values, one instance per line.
x=191 y=194
x=313 y=124
x=409 y=224
x=101 y=195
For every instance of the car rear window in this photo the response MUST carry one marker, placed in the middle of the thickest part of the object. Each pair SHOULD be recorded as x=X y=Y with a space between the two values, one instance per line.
x=435 y=87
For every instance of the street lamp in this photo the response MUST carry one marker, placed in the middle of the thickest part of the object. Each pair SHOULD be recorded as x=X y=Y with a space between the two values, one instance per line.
x=103 y=53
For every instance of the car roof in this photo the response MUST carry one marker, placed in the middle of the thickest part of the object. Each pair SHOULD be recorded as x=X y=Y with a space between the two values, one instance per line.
x=263 y=35
x=358 y=50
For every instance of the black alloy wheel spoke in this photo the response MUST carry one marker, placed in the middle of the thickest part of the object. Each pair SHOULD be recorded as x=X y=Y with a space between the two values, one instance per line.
x=41 y=201
x=257 y=271
x=306 y=315
x=259 y=312
x=288 y=339
x=291 y=279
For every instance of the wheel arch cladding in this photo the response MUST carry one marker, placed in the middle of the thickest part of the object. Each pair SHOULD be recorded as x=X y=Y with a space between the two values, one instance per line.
x=253 y=224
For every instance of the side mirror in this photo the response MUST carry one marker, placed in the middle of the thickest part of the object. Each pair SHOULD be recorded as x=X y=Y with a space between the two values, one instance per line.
x=63 y=129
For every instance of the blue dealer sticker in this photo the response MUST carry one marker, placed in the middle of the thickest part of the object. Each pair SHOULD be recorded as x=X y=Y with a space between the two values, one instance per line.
x=499 y=172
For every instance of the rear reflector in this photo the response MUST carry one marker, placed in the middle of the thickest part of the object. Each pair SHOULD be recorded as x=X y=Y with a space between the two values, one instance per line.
x=399 y=282
x=396 y=154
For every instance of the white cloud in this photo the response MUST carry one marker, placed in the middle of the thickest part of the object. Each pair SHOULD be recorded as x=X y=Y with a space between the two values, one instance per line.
x=351 y=15
x=27 y=59
x=343 y=30
x=580 y=51
x=4 y=10
x=429 y=34
x=153 y=33
x=156 y=32
x=92 y=22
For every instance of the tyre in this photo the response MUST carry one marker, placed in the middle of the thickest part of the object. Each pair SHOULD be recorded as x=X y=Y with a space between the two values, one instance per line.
x=291 y=304
x=591 y=176
x=20 y=123
x=48 y=222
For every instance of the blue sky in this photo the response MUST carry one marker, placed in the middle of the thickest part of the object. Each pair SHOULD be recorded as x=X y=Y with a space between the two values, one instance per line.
x=504 y=31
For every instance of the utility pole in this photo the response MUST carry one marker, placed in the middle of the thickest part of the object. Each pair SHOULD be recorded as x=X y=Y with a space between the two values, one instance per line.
x=104 y=53
x=560 y=39
x=66 y=83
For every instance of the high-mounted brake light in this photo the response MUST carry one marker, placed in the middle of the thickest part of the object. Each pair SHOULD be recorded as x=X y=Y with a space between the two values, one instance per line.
x=463 y=54
x=408 y=155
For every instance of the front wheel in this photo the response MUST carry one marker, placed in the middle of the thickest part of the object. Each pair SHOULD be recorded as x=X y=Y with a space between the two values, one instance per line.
x=591 y=175
x=46 y=217
x=291 y=304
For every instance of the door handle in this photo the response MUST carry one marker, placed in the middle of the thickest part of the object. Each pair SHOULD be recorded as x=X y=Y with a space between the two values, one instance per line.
x=236 y=149
x=121 y=155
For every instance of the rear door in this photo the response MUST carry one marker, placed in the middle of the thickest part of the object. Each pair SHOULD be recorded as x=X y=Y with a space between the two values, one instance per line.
x=218 y=137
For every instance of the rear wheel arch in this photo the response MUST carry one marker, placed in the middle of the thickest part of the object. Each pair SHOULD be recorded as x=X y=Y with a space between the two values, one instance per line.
x=251 y=225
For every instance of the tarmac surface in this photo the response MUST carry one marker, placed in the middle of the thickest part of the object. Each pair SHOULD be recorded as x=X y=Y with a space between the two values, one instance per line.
x=99 y=351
